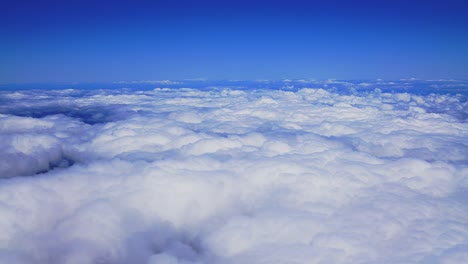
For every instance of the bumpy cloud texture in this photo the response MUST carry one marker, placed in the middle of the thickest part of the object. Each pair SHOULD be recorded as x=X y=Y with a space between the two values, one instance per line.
x=233 y=176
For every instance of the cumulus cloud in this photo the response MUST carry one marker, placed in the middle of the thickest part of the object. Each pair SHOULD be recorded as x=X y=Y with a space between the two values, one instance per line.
x=308 y=175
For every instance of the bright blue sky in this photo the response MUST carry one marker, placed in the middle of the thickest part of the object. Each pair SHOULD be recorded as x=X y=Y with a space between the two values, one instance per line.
x=81 y=41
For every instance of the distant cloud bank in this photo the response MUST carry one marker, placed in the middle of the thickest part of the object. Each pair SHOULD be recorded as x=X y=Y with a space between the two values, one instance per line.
x=297 y=174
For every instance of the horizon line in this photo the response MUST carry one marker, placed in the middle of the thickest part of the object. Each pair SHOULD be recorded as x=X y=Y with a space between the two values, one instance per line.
x=180 y=81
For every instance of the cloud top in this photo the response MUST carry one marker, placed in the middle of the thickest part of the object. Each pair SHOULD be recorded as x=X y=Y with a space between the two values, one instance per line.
x=222 y=175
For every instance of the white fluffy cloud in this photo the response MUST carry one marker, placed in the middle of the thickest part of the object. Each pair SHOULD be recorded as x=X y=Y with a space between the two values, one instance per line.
x=231 y=176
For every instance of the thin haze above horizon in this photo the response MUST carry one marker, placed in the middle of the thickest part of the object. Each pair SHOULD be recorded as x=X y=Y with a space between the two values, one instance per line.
x=84 y=41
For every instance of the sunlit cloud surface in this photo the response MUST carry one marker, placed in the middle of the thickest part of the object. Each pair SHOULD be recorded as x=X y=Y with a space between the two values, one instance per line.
x=229 y=175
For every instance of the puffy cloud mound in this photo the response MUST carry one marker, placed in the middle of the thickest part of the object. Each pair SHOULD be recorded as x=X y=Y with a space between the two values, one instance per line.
x=233 y=176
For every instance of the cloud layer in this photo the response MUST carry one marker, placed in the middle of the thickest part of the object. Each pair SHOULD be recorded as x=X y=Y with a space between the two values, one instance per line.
x=222 y=175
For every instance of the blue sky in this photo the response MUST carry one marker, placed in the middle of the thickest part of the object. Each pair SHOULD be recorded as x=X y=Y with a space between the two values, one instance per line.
x=84 y=41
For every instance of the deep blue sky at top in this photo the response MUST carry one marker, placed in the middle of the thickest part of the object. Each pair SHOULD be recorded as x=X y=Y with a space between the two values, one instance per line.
x=101 y=41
